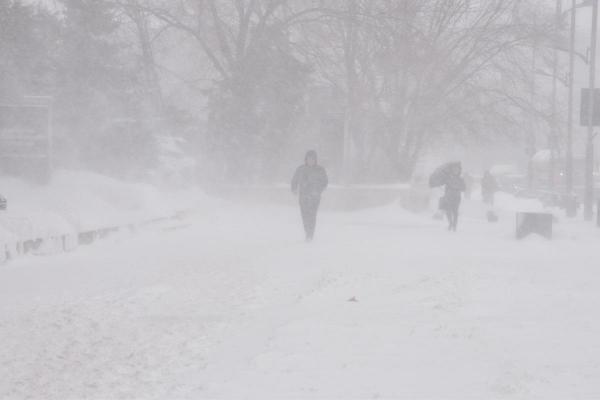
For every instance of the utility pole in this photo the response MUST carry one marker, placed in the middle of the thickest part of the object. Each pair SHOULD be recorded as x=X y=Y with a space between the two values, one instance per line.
x=349 y=113
x=554 y=128
x=588 y=208
x=531 y=139
x=569 y=160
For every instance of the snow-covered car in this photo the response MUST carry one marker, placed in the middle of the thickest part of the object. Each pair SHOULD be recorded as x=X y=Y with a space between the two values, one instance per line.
x=509 y=178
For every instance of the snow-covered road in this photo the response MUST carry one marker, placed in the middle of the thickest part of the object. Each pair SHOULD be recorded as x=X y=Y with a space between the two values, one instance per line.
x=235 y=305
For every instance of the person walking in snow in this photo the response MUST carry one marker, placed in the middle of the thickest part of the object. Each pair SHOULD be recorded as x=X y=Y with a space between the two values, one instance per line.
x=309 y=182
x=454 y=187
x=468 y=184
x=489 y=187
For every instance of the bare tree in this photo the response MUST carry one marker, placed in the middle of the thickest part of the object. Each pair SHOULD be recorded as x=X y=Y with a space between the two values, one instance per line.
x=247 y=44
x=141 y=20
x=428 y=68
x=411 y=73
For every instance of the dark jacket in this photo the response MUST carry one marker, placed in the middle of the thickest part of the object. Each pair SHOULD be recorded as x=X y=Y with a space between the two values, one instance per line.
x=455 y=185
x=310 y=181
x=489 y=185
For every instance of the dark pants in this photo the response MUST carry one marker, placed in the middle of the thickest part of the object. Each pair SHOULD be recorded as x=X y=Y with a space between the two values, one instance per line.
x=309 y=206
x=488 y=197
x=452 y=207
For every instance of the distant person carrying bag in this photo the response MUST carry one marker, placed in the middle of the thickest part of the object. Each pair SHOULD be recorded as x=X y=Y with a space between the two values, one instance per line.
x=455 y=186
x=489 y=187
x=448 y=175
x=309 y=182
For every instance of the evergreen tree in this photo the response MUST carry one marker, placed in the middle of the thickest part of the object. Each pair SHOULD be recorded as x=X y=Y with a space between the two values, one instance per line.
x=29 y=37
x=99 y=92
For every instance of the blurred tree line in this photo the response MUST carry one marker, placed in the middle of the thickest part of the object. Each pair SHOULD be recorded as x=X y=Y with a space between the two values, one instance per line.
x=78 y=56
x=246 y=85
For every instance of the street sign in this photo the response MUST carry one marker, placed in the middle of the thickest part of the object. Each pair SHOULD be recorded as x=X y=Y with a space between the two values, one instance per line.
x=585 y=105
x=25 y=140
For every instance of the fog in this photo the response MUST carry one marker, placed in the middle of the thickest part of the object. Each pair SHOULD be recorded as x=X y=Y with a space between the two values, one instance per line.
x=311 y=199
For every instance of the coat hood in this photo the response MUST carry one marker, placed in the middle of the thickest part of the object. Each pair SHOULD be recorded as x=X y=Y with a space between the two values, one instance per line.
x=311 y=154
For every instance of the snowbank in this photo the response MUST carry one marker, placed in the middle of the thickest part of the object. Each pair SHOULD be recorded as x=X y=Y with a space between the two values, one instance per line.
x=80 y=201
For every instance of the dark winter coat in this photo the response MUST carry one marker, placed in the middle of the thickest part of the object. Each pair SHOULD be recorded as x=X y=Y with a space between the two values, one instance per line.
x=489 y=185
x=310 y=181
x=455 y=185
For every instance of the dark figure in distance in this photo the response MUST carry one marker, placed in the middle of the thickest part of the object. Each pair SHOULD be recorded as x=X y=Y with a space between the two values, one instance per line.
x=469 y=185
x=455 y=185
x=489 y=187
x=309 y=182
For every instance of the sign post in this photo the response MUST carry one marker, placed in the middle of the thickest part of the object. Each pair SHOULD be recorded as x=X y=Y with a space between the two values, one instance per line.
x=588 y=202
x=26 y=141
x=584 y=114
